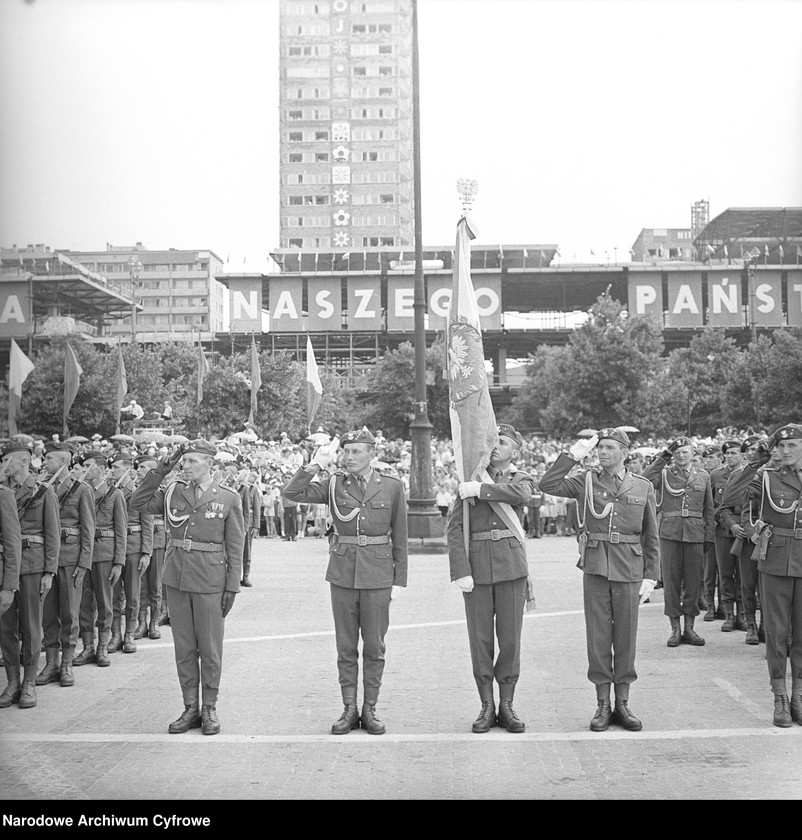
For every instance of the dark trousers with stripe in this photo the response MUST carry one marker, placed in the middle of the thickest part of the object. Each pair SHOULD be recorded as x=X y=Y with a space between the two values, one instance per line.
x=747 y=568
x=150 y=586
x=729 y=576
x=682 y=577
x=611 y=626
x=782 y=613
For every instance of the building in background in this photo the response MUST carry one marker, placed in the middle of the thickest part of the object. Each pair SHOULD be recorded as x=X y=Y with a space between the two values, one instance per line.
x=663 y=244
x=346 y=125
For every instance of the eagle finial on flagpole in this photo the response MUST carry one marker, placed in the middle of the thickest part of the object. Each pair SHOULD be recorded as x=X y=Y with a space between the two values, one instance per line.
x=467 y=190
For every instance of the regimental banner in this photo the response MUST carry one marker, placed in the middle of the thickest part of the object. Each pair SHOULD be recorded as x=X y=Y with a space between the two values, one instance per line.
x=325 y=304
x=645 y=290
x=14 y=309
x=724 y=307
x=245 y=303
x=794 y=298
x=768 y=298
x=684 y=300
x=488 y=299
x=400 y=298
x=286 y=296
x=364 y=303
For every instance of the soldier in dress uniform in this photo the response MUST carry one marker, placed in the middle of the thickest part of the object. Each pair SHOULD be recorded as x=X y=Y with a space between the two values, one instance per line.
x=251 y=524
x=202 y=571
x=10 y=564
x=138 y=551
x=367 y=565
x=492 y=576
x=108 y=562
x=63 y=601
x=777 y=497
x=150 y=592
x=620 y=558
x=711 y=460
x=726 y=567
x=687 y=532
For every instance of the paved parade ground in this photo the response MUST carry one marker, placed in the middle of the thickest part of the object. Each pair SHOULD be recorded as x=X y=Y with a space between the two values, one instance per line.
x=707 y=730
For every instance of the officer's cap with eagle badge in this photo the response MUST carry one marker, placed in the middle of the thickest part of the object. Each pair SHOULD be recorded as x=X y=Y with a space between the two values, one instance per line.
x=709 y=450
x=15 y=446
x=730 y=444
x=201 y=446
x=791 y=431
x=508 y=431
x=358 y=436
x=750 y=440
x=58 y=446
x=612 y=433
x=122 y=455
x=682 y=441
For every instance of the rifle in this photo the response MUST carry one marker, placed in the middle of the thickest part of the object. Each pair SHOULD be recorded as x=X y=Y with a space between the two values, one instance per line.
x=4 y=468
x=41 y=489
x=76 y=481
x=112 y=487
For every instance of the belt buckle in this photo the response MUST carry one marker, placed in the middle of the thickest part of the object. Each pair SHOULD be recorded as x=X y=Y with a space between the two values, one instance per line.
x=361 y=539
x=798 y=533
x=615 y=537
x=495 y=535
x=685 y=513
x=186 y=545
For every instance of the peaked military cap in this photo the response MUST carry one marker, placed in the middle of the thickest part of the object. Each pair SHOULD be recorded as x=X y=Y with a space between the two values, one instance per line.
x=791 y=431
x=682 y=441
x=750 y=440
x=201 y=446
x=611 y=433
x=92 y=455
x=358 y=436
x=15 y=446
x=730 y=444
x=508 y=431
x=58 y=446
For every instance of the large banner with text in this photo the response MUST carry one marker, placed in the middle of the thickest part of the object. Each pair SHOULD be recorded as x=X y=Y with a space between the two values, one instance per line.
x=14 y=309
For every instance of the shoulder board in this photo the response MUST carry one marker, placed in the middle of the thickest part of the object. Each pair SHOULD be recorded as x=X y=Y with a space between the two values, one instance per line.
x=642 y=478
x=390 y=478
x=228 y=490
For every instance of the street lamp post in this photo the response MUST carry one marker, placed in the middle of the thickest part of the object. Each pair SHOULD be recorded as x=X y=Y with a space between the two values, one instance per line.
x=134 y=270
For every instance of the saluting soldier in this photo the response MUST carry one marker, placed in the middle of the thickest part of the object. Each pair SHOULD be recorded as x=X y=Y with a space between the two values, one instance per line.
x=620 y=558
x=687 y=532
x=37 y=508
x=63 y=601
x=367 y=565
x=202 y=571
x=711 y=461
x=777 y=496
x=150 y=592
x=108 y=561
x=138 y=551
x=10 y=563
x=492 y=576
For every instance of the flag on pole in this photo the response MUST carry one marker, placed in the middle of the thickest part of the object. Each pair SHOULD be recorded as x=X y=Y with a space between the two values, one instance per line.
x=314 y=387
x=203 y=371
x=798 y=253
x=256 y=379
x=18 y=369
x=122 y=383
x=782 y=253
x=766 y=251
x=72 y=382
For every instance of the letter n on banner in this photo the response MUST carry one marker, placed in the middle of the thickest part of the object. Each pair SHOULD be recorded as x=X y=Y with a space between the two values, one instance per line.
x=245 y=304
x=14 y=303
x=285 y=304
x=768 y=297
x=325 y=303
x=724 y=307
x=645 y=294
x=684 y=299
x=794 y=298
x=364 y=303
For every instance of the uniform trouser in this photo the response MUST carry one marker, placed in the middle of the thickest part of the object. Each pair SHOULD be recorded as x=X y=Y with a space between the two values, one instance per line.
x=729 y=576
x=611 y=626
x=126 y=592
x=98 y=594
x=710 y=577
x=500 y=604
x=150 y=587
x=781 y=602
x=290 y=522
x=749 y=579
x=533 y=516
x=25 y=614
x=682 y=572
x=246 y=554
x=61 y=609
x=366 y=611
x=196 y=619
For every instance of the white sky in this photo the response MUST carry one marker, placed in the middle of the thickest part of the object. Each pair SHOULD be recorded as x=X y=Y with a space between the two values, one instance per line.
x=583 y=120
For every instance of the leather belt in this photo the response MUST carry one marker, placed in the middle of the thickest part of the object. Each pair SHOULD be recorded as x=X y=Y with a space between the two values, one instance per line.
x=615 y=538
x=190 y=545
x=796 y=533
x=32 y=539
x=362 y=539
x=495 y=535
x=70 y=532
x=104 y=533
x=134 y=529
x=693 y=514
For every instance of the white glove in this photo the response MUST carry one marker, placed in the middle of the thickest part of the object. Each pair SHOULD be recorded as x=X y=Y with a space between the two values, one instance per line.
x=465 y=583
x=322 y=457
x=582 y=448
x=469 y=488
x=646 y=589
x=396 y=592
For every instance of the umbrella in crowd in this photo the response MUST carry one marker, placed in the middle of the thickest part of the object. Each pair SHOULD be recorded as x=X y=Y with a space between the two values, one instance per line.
x=177 y=439
x=122 y=438
x=77 y=439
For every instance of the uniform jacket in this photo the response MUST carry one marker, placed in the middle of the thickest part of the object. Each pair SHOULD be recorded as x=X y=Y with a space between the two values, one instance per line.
x=256 y=506
x=111 y=514
x=140 y=526
x=41 y=519
x=214 y=518
x=489 y=561
x=76 y=512
x=784 y=554
x=159 y=533
x=245 y=501
x=633 y=513
x=688 y=517
x=11 y=554
x=383 y=510
x=718 y=481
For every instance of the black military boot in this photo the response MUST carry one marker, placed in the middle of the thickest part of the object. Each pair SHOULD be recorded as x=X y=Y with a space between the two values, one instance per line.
x=690 y=636
x=190 y=718
x=751 y=631
x=601 y=720
x=782 y=711
x=796 y=705
x=153 y=630
x=12 y=691
x=103 y=660
x=506 y=714
x=129 y=645
x=87 y=655
x=370 y=722
x=710 y=615
x=729 y=621
x=164 y=619
x=721 y=613
x=66 y=677
x=621 y=713
x=349 y=719
x=487 y=714
x=210 y=725
x=141 y=631
x=116 y=641
x=676 y=633
x=27 y=698
x=740 y=620
x=50 y=673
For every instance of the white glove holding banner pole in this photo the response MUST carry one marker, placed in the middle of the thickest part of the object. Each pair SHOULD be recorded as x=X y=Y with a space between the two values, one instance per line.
x=582 y=448
x=465 y=583
x=646 y=589
x=468 y=489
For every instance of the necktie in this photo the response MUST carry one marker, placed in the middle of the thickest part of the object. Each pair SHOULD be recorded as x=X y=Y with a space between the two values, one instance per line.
x=360 y=483
x=198 y=492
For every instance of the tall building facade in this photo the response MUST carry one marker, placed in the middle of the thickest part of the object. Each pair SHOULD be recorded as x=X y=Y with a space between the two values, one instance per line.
x=346 y=124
